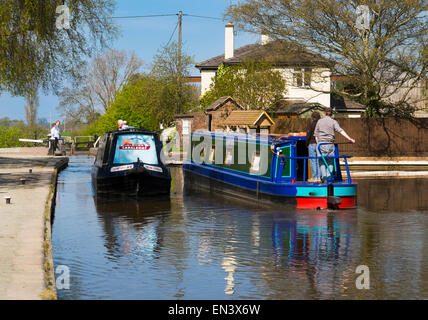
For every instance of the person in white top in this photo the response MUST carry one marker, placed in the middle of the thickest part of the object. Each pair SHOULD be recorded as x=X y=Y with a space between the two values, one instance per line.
x=123 y=125
x=120 y=124
x=55 y=134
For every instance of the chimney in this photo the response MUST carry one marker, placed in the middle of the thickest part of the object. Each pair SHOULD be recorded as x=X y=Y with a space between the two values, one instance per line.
x=265 y=39
x=228 y=41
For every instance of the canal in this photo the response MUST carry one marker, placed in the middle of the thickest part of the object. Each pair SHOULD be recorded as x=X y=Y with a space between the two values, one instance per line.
x=201 y=247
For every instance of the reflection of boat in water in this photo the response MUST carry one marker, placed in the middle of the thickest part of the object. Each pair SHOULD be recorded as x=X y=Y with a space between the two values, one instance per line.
x=128 y=162
x=265 y=168
x=132 y=225
x=136 y=210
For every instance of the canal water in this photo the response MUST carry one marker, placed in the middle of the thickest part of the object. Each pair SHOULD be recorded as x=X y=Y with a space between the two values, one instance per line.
x=205 y=247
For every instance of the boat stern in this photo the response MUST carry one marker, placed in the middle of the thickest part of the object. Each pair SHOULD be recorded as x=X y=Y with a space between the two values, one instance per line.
x=327 y=196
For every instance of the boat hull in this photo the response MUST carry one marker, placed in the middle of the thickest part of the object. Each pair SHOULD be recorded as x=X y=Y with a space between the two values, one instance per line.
x=301 y=196
x=131 y=182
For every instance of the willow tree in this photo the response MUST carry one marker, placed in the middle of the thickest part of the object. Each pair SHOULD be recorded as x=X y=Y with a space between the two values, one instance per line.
x=379 y=45
x=46 y=41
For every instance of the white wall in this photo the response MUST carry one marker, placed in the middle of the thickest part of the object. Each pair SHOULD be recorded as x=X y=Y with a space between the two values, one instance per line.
x=320 y=81
x=207 y=77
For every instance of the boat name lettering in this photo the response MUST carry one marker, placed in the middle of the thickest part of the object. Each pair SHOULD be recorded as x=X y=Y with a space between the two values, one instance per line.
x=152 y=168
x=122 y=168
x=134 y=147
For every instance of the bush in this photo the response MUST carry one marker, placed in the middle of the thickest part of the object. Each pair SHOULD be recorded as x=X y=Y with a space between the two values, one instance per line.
x=9 y=138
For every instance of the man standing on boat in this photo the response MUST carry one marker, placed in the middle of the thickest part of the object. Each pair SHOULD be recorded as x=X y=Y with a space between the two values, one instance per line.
x=324 y=135
x=311 y=144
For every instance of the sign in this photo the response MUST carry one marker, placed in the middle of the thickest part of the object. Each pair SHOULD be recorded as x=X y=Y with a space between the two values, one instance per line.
x=186 y=126
x=152 y=168
x=135 y=147
x=122 y=168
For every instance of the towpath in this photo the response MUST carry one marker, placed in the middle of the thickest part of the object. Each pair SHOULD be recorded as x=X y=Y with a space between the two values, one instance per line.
x=22 y=222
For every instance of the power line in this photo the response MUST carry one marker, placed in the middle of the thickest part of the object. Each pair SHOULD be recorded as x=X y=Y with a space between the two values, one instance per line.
x=166 y=15
x=203 y=17
x=172 y=34
x=147 y=16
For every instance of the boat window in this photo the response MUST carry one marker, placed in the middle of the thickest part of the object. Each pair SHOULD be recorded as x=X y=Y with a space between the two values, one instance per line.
x=202 y=155
x=255 y=162
x=229 y=157
x=131 y=147
x=100 y=153
x=212 y=154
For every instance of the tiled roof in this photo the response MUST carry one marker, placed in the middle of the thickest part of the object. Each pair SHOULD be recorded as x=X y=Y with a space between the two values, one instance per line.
x=339 y=103
x=246 y=118
x=300 y=108
x=277 y=53
x=221 y=102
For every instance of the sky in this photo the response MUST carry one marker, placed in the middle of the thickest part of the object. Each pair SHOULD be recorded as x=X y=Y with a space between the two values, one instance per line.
x=202 y=39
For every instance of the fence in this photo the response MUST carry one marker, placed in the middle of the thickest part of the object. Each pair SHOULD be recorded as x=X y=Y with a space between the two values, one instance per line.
x=374 y=137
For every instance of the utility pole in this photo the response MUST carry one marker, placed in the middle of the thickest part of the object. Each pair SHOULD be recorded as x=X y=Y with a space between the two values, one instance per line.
x=180 y=20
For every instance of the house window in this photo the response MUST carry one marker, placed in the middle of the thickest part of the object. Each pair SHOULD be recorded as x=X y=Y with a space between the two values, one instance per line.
x=302 y=77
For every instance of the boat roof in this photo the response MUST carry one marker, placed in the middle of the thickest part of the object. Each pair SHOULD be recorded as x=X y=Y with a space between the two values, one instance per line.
x=271 y=138
x=132 y=130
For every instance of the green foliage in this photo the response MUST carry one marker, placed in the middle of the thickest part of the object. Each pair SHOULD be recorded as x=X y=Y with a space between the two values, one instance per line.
x=171 y=68
x=138 y=103
x=9 y=137
x=12 y=130
x=33 y=50
x=255 y=84
x=149 y=100
x=384 y=59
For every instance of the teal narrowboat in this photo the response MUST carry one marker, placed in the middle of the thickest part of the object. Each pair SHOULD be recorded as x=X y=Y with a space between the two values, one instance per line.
x=265 y=168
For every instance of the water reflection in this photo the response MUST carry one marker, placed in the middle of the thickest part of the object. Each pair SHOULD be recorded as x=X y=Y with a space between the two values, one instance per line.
x=201 y=246
x=132 y=225
x=399 y=195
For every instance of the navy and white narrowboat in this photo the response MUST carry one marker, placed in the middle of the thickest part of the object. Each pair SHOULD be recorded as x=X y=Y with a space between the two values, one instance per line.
x=128 y=162
x=265 y=167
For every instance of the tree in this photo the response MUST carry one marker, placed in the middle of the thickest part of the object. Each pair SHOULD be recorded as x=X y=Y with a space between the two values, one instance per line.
x=35 y=50
x=138 y=103
x=31 y=107
x=172 y=68
x=106 y=75
x=110 y=72
x=380 y=45
x=255 y=84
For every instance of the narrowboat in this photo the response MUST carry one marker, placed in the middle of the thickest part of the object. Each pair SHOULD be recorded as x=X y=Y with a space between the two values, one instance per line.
x=128 y=162
x=265 y=168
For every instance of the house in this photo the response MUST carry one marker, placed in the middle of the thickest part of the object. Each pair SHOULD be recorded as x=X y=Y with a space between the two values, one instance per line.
x=212 y=118
x=244 y=121
x=414 y=93
x=307 y=73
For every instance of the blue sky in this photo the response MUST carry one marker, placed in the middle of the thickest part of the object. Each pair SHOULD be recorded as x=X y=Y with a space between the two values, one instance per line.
x=202 y=39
